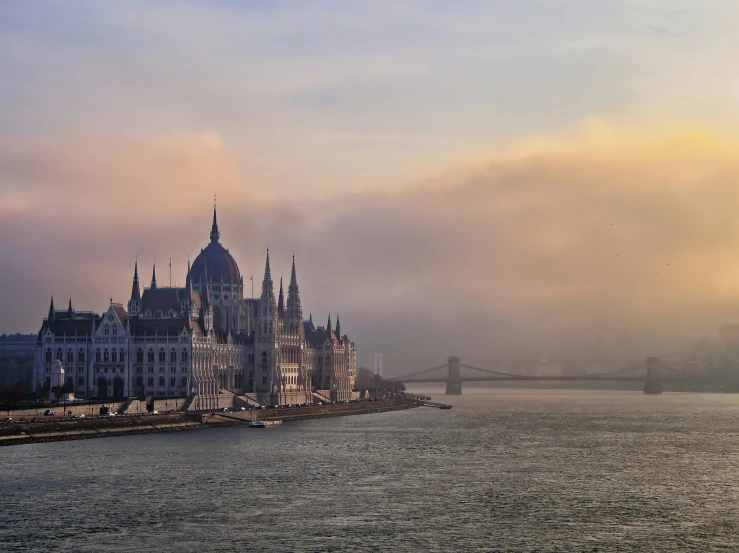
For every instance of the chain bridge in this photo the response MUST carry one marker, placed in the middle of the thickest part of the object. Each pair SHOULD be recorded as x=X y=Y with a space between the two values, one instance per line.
x=454 y=372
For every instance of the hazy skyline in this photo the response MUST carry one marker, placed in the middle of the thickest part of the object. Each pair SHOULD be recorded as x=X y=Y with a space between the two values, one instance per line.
x=481 y=179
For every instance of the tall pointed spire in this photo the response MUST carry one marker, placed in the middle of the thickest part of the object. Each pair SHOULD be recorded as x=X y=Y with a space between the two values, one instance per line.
x=188 y=285
x=51 y=309
x=328 y=326
x=338 y=327
x=154 y=276
x=267 y=288
x=293 y=293
x=135 y=290
x=214 y=234
x=69 y=309
x=281 y=301
x=294 y=311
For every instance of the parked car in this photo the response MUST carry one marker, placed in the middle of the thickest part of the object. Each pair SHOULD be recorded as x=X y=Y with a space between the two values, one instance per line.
x=109 y=414
x=154 y=412
x=242 y=408
x=48 y=413
x=79 y=416
x=8 y=419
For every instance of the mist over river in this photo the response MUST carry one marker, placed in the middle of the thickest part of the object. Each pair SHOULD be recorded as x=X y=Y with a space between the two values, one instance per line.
x=504 y=470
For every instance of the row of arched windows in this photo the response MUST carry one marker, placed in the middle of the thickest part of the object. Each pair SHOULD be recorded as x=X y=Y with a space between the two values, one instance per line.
x=106 y=330
x=162 y=356
x=110 y=357
x=70 y=356
x=114 y=356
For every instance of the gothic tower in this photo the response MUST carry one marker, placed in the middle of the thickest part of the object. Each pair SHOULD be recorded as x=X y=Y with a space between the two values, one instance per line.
x=265 y=350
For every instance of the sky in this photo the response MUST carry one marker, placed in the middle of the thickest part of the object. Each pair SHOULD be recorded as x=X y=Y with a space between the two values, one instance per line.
x=490 y=179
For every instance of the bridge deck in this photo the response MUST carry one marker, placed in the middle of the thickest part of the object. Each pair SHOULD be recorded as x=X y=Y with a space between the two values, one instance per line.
x=547 y=378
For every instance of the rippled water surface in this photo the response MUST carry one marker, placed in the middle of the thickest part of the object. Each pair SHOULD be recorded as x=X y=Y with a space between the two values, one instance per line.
x=502 y=471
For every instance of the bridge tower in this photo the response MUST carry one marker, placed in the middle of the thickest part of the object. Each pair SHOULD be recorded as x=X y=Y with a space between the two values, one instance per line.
x=652 y=384
x=454 y=378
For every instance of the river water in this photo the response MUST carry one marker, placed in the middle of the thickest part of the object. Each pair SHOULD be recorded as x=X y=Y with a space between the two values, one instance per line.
x=505 y=470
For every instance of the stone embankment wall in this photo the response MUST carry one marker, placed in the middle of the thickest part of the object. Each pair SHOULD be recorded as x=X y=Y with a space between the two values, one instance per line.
x=298 y=413
x=87 y=410
x=163 y=405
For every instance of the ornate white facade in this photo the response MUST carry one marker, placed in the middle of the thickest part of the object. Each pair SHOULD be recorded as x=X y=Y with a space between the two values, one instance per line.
x=204 y=341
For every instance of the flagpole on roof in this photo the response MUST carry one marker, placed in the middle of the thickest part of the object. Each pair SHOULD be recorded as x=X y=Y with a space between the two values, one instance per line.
x=170 y=272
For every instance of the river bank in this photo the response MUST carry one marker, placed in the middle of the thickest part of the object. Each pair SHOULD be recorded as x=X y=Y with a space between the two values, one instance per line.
x=62 y=429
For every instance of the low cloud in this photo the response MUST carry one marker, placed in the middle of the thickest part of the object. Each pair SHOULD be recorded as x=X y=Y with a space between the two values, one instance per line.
x=552 y=245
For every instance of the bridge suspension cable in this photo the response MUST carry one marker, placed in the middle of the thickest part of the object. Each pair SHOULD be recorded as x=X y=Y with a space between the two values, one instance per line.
x=487 y=371
x=425 y=371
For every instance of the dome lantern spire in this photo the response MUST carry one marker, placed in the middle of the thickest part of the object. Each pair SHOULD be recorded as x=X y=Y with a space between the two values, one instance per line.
x=215 y=235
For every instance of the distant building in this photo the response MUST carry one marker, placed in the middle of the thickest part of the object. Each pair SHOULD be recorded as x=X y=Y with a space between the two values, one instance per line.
x=205 y=341
x=378 y=364
x=16 y=360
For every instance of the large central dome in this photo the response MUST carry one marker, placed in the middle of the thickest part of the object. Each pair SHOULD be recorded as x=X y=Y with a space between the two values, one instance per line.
x=216 y=260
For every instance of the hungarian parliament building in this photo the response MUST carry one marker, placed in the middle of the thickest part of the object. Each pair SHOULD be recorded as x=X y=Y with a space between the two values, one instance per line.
x=204 y=341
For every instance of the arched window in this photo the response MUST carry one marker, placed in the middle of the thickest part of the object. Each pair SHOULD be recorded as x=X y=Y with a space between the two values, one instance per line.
x=81 y=356
x=161 y=381
x=107 y=330
x=115 y=330
x=122 y=356
x=59 y=354
x=106 y=357
x=70 y=356
x=151 y=356
x=139 y=356
x=162 y=356
x=114 y=356
x=97 y=356
x=48 y=356
x=173 y=356
x=184 y=356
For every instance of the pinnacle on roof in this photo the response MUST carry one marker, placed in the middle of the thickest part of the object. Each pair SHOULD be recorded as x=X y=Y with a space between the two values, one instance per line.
x=135 y=290
x=328 y=326
x=293 y=293
x=281 y=301
x=267 y=272
x=51 y=309
x=69 y=309
x=338 y=326
x=214 y=234
x=154 y=276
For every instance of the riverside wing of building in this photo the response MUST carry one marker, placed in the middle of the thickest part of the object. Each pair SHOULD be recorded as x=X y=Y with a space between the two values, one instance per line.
x=65 y=336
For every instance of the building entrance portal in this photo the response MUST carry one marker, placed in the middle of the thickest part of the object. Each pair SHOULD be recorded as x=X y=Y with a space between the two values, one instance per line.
x=102 y=388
